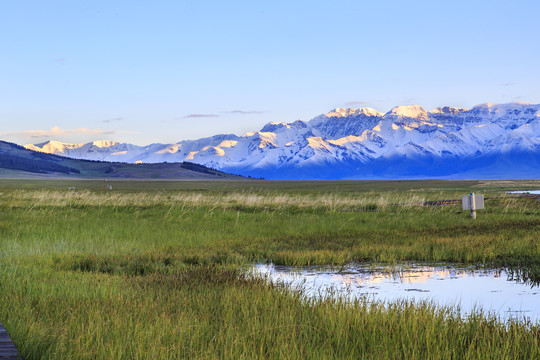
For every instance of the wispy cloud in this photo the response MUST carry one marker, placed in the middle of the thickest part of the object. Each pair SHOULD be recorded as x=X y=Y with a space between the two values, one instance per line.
x=56 y=132
x=358 y=102
x=221 y=113
x=120 y=118
x=244 y=112
x=192 y=116
x=408 y=101
x=507 y=84
x=61 y=62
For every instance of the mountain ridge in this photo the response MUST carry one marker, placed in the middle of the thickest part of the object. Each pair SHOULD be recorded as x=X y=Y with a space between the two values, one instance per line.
x=356 y=143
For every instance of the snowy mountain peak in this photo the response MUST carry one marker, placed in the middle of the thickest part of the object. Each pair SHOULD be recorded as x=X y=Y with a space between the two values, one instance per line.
x=52 y=147
x=502 y=107
x=104 y=143
x=347 y=112
x=509 y=111
x=281 y=126
x=50 y=142
x=448 y=110
x=410 y=111
x=275 y=126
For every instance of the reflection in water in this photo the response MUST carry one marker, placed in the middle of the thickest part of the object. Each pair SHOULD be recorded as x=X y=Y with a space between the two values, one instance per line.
x=506 y=293
x=417 y=276
x=524 y=274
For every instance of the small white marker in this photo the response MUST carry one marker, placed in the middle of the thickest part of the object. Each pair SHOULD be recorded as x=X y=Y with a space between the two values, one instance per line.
x=473 y=202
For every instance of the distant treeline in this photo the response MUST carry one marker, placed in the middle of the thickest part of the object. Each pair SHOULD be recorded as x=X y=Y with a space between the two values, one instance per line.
x=200 y=168
x=31 y=161
x=34 y=165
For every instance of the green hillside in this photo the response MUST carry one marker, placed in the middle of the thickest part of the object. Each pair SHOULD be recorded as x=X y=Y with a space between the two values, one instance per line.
x=18 y=162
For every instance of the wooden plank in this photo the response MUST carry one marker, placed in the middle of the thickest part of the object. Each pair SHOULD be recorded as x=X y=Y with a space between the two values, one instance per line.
x=8 y=350
x=8 y=353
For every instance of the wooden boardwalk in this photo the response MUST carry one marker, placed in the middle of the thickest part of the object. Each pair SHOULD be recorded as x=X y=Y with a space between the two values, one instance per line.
x=8 y=351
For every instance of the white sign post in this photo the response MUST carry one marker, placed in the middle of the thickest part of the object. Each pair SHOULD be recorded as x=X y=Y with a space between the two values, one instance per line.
x=473 y=202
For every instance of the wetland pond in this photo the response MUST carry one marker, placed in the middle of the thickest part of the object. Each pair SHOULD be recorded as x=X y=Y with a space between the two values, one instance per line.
x=532 y=192
x=495 y=291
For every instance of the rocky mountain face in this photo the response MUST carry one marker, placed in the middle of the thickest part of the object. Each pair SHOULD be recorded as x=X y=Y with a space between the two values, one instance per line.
x=487 y=141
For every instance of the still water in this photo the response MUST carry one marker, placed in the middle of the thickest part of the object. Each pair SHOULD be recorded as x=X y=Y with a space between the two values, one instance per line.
x=532 y=192
x=492 y=290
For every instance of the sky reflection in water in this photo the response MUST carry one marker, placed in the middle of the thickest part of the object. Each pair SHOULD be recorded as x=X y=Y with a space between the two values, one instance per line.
x=532 y=192
x=469 y=287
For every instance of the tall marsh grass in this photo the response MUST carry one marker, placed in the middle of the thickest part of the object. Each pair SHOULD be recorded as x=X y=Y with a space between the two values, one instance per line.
x=249 y=199
x=90 y=274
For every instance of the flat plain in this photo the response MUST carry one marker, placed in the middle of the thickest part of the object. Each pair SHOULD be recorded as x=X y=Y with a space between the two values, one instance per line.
x=158 y=269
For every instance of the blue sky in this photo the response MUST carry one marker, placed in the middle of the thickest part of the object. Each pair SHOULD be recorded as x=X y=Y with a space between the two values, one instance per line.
x=164 y=71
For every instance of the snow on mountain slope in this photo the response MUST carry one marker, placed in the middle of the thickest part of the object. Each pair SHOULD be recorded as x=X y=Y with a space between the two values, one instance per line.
x=353 y=143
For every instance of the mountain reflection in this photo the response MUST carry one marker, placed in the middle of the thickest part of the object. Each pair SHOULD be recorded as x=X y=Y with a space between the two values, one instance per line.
x=416 y=276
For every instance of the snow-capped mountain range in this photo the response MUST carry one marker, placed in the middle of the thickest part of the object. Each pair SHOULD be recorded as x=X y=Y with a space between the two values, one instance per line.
x=487 y=141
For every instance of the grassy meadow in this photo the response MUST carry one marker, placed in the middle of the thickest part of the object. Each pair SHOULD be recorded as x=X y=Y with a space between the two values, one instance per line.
x=156 y=269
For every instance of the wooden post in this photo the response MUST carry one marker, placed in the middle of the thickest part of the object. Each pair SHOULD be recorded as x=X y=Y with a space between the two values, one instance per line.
x=473 y=206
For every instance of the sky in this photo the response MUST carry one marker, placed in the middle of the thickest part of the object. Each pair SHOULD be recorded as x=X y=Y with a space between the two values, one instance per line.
x=163 y=71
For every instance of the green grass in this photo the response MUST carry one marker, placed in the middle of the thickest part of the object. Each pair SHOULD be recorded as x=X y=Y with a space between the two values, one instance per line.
x=155 y=269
